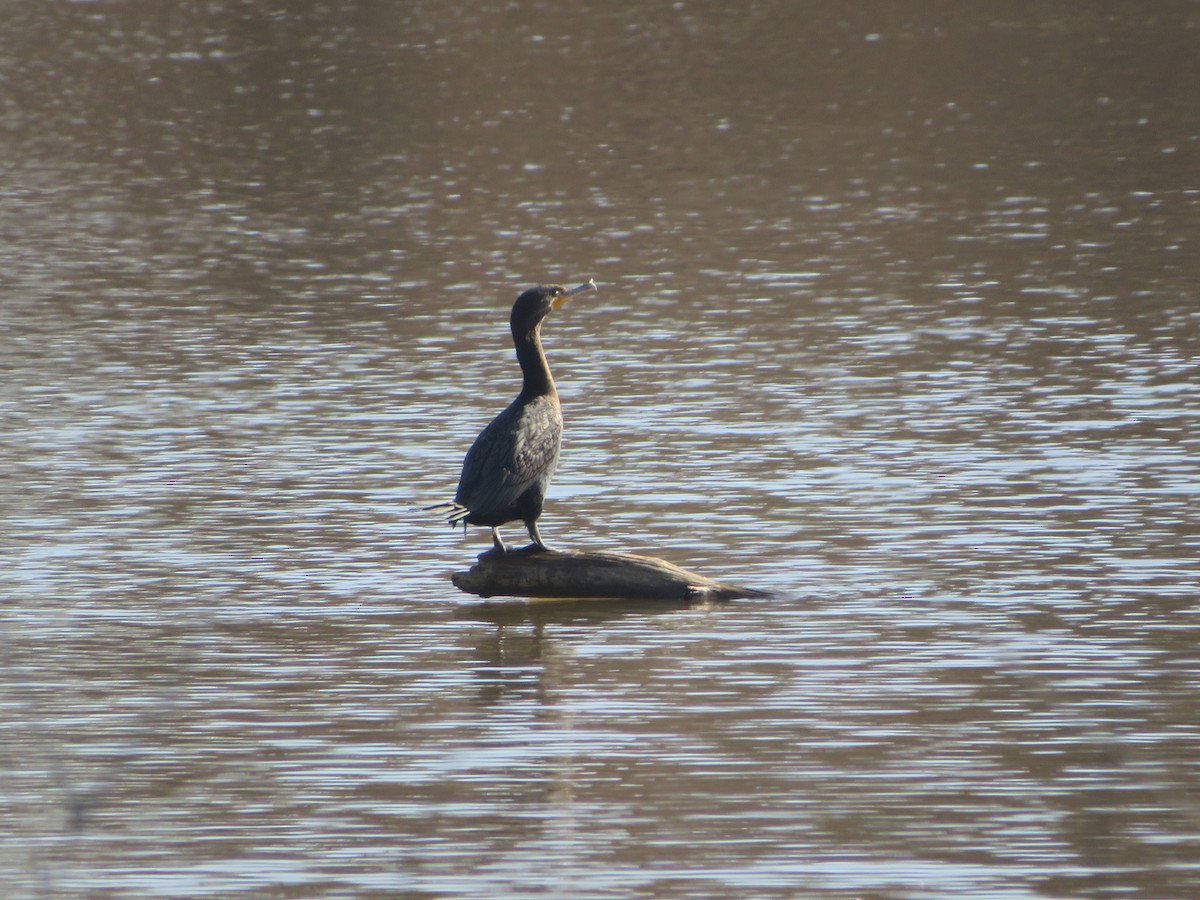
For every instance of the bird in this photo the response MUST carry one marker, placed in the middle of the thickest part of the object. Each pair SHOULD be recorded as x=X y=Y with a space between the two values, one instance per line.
x=508 y=468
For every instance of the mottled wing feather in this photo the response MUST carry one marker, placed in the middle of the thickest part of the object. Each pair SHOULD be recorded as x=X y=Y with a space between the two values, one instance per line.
x=519 y=448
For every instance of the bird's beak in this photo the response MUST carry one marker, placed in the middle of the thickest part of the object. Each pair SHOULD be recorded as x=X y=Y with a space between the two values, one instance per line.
x=582 y=289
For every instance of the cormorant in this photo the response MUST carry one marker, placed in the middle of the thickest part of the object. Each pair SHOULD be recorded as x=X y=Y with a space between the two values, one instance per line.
x=507 y=469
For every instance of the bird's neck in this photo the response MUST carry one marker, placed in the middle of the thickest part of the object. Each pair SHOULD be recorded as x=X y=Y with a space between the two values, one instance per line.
x=535 y=371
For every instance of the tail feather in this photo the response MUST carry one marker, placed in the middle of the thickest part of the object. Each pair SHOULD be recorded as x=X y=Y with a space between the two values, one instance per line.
x=458 y=512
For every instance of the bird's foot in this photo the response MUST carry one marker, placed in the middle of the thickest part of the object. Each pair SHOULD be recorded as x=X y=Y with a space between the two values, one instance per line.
x=497 y=542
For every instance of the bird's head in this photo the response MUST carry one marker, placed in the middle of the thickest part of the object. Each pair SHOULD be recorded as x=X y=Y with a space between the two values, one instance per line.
x=537 y=303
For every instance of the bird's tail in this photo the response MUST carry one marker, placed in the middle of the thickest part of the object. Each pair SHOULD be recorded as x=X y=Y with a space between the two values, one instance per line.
x=457 y=515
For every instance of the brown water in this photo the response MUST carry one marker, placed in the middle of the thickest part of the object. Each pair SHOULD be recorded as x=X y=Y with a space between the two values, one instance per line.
x=898 y=319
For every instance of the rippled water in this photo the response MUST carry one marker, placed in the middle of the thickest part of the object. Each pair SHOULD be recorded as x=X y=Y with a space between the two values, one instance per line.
x=897 y=320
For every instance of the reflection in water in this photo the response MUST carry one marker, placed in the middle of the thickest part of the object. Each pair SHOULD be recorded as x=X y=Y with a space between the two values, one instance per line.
x=897 y=321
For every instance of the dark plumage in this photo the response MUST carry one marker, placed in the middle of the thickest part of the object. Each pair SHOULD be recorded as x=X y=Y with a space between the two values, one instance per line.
x=506 y=471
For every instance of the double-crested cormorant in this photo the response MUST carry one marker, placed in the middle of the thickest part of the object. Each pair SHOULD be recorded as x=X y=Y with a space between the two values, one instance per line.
x=507 y=469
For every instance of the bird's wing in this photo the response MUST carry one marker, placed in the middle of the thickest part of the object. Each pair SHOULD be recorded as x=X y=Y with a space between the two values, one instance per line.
x=519 y=448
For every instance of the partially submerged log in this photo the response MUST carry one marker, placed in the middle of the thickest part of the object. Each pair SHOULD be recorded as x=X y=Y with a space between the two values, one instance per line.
x=589 y=575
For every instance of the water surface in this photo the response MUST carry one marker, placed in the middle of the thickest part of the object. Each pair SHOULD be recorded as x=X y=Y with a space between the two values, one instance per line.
x=897 y=320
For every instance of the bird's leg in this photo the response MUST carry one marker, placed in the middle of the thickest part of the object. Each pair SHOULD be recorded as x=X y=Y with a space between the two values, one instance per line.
x=537 y=538
x=499 y=544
